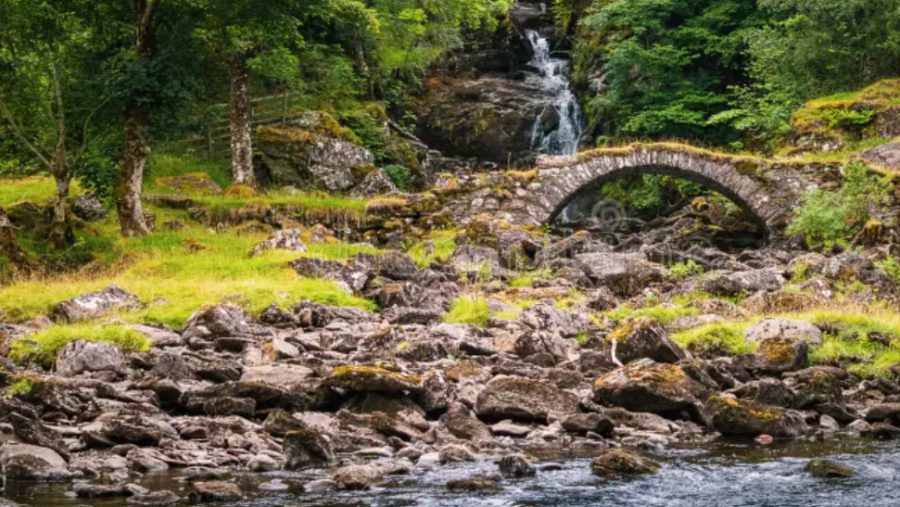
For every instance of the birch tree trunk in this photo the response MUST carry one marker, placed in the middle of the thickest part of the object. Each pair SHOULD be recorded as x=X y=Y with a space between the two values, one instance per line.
x=241 y=117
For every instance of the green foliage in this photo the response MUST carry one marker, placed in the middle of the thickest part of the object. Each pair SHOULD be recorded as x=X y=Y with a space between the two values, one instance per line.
x=20 y=387
x=684 y=270
x=728 y=72
x=891 y=266
x=468 y=309
x=651 y=193
x=438 y=247
x=827 y=218
x=44 y=347
x=401 y=176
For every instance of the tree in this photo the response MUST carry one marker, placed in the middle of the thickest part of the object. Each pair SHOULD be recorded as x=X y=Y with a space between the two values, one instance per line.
x=137 y=119
x=9 y=245
x=250 y=37
x=44 y=91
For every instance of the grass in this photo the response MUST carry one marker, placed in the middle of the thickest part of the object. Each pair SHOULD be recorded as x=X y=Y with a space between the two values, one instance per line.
x=720 y=337
x=36 y=189
x=181 y=271
x=468 y=309
x=527 y=278
x=664 y=314
x=444 y=246
x=44 y=347
x=162 y=165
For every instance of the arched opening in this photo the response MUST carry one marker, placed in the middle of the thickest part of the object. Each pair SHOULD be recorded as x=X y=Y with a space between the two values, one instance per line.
x=660 y=203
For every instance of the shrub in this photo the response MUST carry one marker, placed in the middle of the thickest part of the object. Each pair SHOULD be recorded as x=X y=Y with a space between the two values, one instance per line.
x=827 y=218
x=401 y=177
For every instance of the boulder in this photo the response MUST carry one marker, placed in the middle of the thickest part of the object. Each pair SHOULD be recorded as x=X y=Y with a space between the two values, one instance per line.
x=353 y=277
x=624 y=274
x=30 y=463
x=889 y=412
x=89 y=208
x=287 y=239
x=474 y=485
x=784 y=328
x=620 y=463
x=744 y=282
x=96 y=305
x=310 y=161
x=191 y=183
x=782 y=354
x=476 y=261
x=523 y=399
x=744 y=418
x=648 y=386
x=844 y=267
x=215 y=492
x=393 y=265
x=163 y=498
x=306 y=448
x=583 y=424
x=87 y=357
x=645 y=338
x=215 y=321
x=824 y=469
x=516 y=466
x=886 y=155
x=358 y=477
x=372 y=379
x=460 y=422
x=376 y=182
x=767 y=391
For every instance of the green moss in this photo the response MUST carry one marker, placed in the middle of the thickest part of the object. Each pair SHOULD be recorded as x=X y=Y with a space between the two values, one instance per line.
x=442 y=246
x=22 y=386
x=44 y=347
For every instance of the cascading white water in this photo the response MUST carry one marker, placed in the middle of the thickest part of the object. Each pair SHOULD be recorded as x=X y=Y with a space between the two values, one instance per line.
x=562 y=140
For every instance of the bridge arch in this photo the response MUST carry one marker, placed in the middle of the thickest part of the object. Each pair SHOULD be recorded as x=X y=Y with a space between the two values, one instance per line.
x=741 y=179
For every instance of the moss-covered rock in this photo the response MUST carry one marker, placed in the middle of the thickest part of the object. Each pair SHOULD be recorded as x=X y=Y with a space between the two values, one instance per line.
x=621 y=464
x=372 y=379
x=745 y=418
x=648 y=386
x=824 y=469
x=644 y=337
x=523 y=399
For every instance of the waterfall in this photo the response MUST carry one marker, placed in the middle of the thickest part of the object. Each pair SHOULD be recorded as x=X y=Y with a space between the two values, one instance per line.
x=548 y=137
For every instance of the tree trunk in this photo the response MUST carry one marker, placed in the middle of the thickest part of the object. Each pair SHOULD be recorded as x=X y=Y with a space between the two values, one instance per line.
x=241 y=117
x=131 y=175
x=9 y=245
x=137 y=147
x=61 y=235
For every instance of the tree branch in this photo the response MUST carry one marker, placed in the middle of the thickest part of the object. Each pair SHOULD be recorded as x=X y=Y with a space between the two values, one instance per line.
x=17 y=130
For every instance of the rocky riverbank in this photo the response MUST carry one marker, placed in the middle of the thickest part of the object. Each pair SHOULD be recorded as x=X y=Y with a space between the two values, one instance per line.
x=581 y=361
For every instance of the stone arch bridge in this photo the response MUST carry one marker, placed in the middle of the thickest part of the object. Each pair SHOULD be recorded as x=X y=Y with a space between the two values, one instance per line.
x=767 y=189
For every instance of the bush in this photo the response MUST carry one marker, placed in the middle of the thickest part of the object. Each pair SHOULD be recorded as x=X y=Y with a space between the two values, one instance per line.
x=401 y=176
x=828 y=218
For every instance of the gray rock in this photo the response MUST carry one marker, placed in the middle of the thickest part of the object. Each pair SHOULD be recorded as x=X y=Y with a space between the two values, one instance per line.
x=523 y=399
x=645 y=338
x=509 y=429
x=588 y=423
x=744 y=282
x=784 y=328
x=217 y=321
x=320 y=486
x=215 y=491
x=624 y=274
x=87 y=357
x=616 y=464
x=30 y=463
x=155 y=499
x=376 y=182
x=287 y=239
x=648 y=386
x=310 y=161
x=95 y=305
x=745 y=418
x=306 y=448
x=456 y=454
x=89 y=208
x=516 y=466
x=459 y=421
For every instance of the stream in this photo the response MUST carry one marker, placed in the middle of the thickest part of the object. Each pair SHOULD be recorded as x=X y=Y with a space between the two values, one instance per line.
x=724 y=474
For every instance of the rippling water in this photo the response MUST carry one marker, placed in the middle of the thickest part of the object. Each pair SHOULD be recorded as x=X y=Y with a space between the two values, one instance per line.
x=722 y=475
